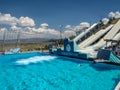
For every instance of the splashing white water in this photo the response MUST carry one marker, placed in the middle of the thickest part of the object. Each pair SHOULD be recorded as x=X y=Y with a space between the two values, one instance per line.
x=35 y=59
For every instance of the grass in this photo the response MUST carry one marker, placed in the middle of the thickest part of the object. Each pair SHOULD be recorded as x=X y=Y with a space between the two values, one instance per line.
x=28 y=46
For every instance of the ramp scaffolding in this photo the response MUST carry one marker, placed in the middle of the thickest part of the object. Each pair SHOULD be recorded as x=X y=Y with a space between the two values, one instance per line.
x=11 y=39
x=115 y=46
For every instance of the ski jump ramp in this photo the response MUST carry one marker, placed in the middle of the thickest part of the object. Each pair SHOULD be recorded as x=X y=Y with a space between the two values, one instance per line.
x=117 y=37
x=94 y=37
x=83 y=33
x=112 y=34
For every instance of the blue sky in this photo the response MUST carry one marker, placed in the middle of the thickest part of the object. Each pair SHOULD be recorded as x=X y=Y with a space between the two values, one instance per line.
x=41 y=16
x=55 y=12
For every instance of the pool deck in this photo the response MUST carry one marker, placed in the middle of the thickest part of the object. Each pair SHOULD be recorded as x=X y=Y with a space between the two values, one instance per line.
x=105 y=61
x=101 y=61
x=118 y=86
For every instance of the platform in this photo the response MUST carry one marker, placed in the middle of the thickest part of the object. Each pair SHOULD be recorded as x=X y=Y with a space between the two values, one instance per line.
x=118 y=86
x=101 y=61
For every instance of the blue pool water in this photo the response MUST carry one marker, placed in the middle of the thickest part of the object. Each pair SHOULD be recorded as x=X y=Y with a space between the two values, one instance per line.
x=37 y=71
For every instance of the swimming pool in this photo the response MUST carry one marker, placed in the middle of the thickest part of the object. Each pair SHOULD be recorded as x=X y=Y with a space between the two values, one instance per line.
x=38 y=71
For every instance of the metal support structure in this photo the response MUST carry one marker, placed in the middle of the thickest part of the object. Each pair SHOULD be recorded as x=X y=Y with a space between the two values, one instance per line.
x=18 y=39
x=4 y=40
x=61 y=26
x=10 y=37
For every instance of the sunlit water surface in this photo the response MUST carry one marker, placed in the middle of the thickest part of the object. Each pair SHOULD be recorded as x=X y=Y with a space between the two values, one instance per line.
x=38 y=71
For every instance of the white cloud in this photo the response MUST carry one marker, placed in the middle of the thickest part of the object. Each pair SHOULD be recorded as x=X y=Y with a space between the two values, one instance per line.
x=47 y=32
x=71 y=30
x=2 y=33
x=43 y=30
x=44 y=25
x=15 y=28
x=111 y=15
x=27 y=27
x=114 y=14
x=68 y=26
x=2 y=29
x=117 y=14
x=105 y=21
x=7 y=19
x=82 y=26
x=68 y=33
x=53 y=32
x=85 y=24
x=32 y=32
x=26 y=21
x=78 y=28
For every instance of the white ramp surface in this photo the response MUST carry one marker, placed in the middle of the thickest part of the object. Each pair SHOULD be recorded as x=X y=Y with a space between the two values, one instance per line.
x=117 y=37
x=117 y=87
x=109 y=35
x=94 y=37
x=83 y=33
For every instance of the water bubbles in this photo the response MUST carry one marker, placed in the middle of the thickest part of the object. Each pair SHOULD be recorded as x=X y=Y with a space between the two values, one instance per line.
x=34 y=59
